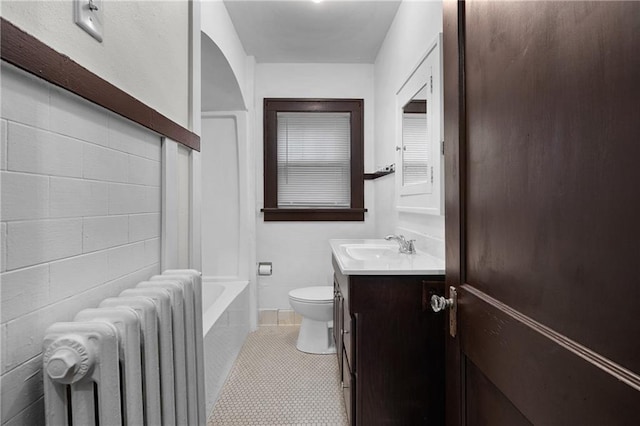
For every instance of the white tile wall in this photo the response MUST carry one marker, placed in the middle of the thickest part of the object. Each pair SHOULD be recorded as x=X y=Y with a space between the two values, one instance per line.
x=37 y=151
x=3 y=144
x=151 y=251
x=25 y=98
x=122 y=259
x=33 y=242
x=127 y=199
x=127 y=137
x=76 y=274
x=78 y=197
x=142 y=171
x=28 y=380
x=32 y=415
x=77 y=117
x=24 y=196
x=104 y=164
x=24 y=290
x=80 y=221
x=3 y=247
x=152 y=199
x=103 y=232
x=144 y=226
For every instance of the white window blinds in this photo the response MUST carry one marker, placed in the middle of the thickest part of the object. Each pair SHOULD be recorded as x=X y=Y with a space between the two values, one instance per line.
x=314 y=159
x=415 y=151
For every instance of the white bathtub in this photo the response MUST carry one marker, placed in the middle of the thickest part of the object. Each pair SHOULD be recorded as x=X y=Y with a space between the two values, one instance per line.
x=217 y=296
x=225 y=317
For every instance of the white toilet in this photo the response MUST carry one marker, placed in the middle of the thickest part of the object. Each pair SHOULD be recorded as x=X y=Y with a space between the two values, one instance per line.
x=315 y=304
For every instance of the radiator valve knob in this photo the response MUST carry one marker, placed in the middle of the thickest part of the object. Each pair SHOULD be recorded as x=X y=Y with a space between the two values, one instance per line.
x=67 y=360
x=62 y=365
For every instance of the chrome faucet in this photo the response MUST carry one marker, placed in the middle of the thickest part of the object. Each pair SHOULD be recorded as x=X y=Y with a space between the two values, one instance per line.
x=406 y=246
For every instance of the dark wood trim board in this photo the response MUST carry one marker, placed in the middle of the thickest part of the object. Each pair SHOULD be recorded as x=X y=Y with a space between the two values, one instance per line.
x=30 y=54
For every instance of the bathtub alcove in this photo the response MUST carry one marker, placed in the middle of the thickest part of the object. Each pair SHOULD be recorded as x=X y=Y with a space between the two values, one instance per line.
x=228 y=295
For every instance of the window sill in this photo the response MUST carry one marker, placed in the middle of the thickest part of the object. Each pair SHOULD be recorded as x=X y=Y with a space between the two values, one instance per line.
x=312 y=215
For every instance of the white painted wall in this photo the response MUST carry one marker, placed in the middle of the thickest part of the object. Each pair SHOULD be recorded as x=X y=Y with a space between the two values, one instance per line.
x=300 y=250
x=144 y=46
x=416 y=25
x=217 y=25
x=80 y=221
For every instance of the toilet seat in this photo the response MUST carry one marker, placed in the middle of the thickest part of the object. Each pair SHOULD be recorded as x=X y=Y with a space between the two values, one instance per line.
x=318 y=294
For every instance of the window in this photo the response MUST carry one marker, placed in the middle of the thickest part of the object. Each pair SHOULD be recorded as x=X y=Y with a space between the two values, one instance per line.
x=313 y=160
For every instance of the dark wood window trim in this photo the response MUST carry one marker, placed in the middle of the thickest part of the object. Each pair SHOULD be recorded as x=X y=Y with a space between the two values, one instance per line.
x=271 y=211
x=30 y=54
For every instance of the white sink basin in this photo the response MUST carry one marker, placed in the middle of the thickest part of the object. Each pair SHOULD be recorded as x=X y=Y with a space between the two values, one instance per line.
x=381 y=257
x=370 y=251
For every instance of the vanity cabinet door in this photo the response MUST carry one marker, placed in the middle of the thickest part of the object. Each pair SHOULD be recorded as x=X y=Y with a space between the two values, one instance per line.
x=399 y=352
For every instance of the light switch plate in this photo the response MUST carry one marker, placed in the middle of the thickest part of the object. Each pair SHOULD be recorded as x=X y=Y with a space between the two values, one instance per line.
x=88 y=15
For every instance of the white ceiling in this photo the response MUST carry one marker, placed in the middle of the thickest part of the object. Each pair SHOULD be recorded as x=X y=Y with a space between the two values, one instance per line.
x=302 y=31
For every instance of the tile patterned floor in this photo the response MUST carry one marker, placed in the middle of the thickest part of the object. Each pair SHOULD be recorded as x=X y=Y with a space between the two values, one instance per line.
x=272 y=383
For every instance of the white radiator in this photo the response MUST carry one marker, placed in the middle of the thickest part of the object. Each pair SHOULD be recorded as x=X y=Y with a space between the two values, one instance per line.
x=137 y=359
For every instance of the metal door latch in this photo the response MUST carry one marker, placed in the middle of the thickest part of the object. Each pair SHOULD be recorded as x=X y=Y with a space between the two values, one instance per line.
x=439 y=304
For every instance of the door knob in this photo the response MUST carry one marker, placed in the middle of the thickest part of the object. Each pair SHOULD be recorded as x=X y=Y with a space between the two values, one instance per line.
x=439 y=303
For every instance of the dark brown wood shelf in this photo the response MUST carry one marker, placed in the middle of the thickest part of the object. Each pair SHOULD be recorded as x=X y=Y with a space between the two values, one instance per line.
x=376 y=175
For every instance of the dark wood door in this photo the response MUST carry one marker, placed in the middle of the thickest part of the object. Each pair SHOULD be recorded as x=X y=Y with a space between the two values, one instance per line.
x=542 y=137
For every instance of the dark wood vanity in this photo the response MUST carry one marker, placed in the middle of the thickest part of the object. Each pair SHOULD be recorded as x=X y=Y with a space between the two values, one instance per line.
x=390 y=348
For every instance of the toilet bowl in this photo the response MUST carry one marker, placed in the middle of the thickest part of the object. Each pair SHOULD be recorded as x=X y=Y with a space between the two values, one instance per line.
x=315 y=304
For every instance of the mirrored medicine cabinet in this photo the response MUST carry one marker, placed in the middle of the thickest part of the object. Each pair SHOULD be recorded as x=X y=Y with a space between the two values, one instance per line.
x=419 y=176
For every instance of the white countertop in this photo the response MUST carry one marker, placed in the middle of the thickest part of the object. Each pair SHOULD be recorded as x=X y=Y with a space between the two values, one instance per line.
x=390 y=263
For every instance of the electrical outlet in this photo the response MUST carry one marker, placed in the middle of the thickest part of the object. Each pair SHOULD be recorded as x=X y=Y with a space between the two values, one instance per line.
x=88 y=15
